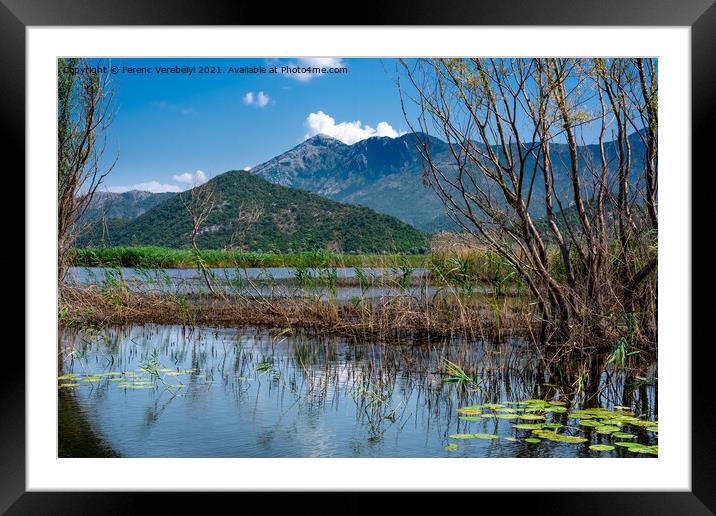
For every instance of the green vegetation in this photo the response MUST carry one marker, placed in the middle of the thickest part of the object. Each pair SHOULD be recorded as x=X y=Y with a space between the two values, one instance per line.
x=248 y=212
x=561 y=429
x=162 y=257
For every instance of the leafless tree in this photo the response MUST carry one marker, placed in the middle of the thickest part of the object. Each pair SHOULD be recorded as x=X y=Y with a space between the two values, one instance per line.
x=85 y=96
x=248 y=215
x=199 y=203
x=515 y=130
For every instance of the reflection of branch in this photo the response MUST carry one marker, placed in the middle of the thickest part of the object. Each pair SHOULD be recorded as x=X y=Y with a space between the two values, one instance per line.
x=151 y=366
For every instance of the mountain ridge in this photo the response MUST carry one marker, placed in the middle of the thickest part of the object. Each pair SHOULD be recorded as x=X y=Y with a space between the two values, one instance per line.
x=290 y=220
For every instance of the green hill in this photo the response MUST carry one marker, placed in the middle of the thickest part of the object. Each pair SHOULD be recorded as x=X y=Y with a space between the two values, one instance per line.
x=291 y=220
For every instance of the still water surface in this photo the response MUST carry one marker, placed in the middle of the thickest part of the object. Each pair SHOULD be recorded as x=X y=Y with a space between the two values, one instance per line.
x=259 y=393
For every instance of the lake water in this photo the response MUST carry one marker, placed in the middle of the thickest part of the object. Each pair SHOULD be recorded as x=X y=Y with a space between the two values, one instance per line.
x=255 y=393
x=267 y=282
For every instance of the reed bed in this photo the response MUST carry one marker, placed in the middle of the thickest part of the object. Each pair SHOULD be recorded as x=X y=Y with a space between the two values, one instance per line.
x=465 y=267
x=383 y=317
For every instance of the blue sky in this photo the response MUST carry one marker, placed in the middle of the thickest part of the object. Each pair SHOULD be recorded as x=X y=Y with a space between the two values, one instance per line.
x=174 y=130
x=169 y=126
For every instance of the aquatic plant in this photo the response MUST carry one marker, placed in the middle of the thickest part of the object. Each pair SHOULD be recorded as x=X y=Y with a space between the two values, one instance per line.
x=453 y=373
x=152 y=366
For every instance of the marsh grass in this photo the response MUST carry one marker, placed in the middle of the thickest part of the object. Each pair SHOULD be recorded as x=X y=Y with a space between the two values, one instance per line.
x=463 y=268
x=396 y=312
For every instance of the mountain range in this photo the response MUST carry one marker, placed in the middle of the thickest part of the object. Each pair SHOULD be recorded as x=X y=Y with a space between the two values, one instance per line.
x=379 y=178
x=129 y=204
x=387 y=174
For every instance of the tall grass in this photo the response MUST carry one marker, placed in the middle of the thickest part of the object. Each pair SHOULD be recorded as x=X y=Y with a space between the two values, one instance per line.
x=162 y=257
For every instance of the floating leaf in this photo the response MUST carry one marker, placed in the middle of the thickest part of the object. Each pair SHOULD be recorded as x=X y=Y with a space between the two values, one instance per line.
x=473 y=436
x=513 y=439
x=68 y=385
x=531 y=417
x=450 y=447
x=574 y=439
x=589 y=422
x=606 y=429
x=532 y=440
x=507 y=416
x=475 y=409
x=460 y=436
x=640 y=448
x=528 y=426
x=485 y=436
x=557 y=409
x=623 y=435
x=601 y=447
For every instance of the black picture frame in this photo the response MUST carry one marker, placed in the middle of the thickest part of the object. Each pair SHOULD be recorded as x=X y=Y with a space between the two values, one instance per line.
x=700 y=15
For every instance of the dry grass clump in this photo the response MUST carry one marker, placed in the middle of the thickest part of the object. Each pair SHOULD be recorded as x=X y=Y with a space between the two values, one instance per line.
x=385 y=317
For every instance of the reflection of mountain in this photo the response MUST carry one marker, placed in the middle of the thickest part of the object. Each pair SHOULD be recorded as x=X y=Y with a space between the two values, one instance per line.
x=75 y=435
x=386 y=174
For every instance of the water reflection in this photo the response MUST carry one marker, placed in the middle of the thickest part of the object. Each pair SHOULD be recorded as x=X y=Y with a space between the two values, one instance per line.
x=260 y=393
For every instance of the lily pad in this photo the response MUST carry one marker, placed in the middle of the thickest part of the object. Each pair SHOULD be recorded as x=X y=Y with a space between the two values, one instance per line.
x=640 y=448
x=492 y=406
x=531 y=417
x=557 y=409
x=601 y=447
x=528 y=426
x=532 y=440
x=474 y=436
x=485 y=436
x=469 y=410
x=450 y=447
x=460 y=436
x=623 y=435
x=573 y=439
x=68 y=385
x=606 y=429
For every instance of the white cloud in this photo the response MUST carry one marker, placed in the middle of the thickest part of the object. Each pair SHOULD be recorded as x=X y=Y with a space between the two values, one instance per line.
x=195 y=179
x=347 y=132
x=260 y=99
x=192 y=180
x=150 y=186
x=313 y=62
x=247 y=168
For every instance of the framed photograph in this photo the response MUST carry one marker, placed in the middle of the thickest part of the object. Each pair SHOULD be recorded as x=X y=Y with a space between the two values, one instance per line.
x=419 y=252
